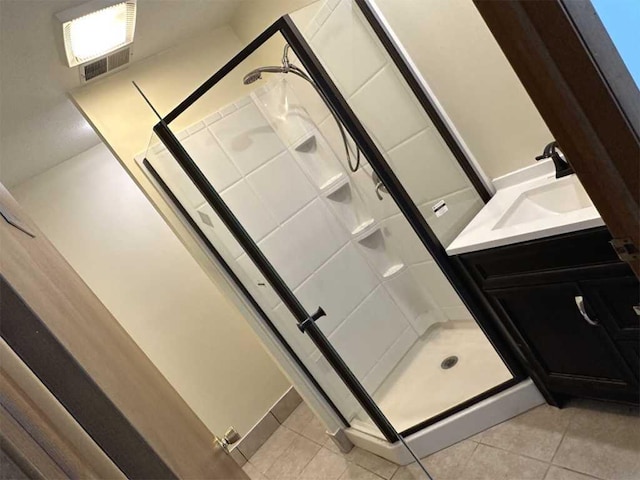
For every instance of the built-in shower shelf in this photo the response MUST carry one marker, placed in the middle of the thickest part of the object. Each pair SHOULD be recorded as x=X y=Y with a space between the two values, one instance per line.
x=308 y=144
x=393 y=271
x=360 y=229
x=334 y=184
x=366 y=230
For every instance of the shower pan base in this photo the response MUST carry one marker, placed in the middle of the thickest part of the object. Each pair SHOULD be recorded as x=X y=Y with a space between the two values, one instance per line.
x=485 y=414
x=408 y=397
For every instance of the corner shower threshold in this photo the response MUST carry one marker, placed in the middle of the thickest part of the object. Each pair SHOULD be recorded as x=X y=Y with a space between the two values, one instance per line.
x=475 y=419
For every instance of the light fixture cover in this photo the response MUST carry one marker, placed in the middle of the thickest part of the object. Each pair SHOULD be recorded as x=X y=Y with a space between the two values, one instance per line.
x=96 y=28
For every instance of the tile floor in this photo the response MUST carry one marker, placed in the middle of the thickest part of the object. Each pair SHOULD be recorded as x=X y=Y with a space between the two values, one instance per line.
x=584 y=441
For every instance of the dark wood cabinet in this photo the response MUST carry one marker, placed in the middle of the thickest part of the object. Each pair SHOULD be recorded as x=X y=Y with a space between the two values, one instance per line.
x=617 y=300
x=577 y=355
x=631 y=351
x=571 y=308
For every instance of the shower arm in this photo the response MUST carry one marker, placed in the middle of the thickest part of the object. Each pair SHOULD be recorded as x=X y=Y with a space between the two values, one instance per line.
x=288 y=67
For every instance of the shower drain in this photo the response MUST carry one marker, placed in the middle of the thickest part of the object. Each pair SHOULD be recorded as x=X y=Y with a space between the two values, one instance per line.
x=449 y=362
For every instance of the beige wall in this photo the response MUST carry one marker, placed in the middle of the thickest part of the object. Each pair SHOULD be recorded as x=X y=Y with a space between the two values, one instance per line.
x=253 y=16
x=456 y=54
x=110 y=234
x=124 y=121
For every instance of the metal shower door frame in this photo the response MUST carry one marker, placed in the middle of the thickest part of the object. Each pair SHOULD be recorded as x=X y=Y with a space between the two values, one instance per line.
x=287 y=28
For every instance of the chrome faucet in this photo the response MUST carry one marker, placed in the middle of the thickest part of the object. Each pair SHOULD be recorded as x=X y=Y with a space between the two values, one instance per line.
x=378 y=185
x=562 y=166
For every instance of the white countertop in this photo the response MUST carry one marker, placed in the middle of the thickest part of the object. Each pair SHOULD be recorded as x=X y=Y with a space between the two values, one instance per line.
x=485 y=231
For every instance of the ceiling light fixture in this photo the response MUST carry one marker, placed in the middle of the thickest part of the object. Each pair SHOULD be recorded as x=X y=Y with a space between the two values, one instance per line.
x=96 y=28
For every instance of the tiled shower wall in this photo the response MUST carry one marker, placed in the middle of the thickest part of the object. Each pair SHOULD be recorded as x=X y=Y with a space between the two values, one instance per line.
x=277 y=172
x=275 y=157
x=368 y=79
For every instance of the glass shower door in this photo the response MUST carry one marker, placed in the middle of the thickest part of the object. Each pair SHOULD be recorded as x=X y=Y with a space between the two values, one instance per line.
x=306 y=218
x=415 y=143
x=430 y=164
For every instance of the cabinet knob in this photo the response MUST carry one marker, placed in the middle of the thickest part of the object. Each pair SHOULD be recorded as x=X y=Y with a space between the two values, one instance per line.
x=583 y=311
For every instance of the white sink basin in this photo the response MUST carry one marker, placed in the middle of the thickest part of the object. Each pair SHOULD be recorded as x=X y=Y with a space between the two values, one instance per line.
x=528 y=204
x=560 y=197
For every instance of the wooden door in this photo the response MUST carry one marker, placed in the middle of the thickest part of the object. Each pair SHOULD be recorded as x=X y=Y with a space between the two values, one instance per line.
x=60 y=329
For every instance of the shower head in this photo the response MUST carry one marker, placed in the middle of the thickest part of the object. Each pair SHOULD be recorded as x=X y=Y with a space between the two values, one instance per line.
x=255 y=75
x=252 y=76
x=287 y=67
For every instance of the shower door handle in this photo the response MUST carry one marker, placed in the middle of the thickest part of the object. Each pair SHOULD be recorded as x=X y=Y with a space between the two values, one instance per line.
x=312 y=319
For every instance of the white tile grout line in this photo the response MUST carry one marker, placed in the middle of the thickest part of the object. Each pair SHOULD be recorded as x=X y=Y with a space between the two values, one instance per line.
x=335 y=453
x=371 y=471
x=560 y=467
x=512 y=453
x=564 y=434
x=549 y=465
x=550 y=462
x=301 y=433
x=464 y=464
x=311 y=459
x=469 y=459
x=281 y=454
x=286 y=449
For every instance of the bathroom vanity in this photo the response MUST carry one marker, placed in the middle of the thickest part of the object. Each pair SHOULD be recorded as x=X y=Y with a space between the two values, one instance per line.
x=541 y=256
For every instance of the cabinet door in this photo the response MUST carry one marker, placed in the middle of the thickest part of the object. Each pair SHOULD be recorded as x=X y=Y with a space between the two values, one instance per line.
x=631 y=351
x=576 y=355
x=617 y=303
x=617 y=299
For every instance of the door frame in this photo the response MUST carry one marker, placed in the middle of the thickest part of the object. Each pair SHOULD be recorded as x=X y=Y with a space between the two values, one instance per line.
x=467 y=290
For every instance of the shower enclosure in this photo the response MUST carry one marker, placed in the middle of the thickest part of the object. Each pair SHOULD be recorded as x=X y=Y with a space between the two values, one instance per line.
x=327 y=190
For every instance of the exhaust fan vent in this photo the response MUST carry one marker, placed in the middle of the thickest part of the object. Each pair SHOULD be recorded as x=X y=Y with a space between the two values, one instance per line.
x=118 y=59
x=94 y=69
x=104 y=65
